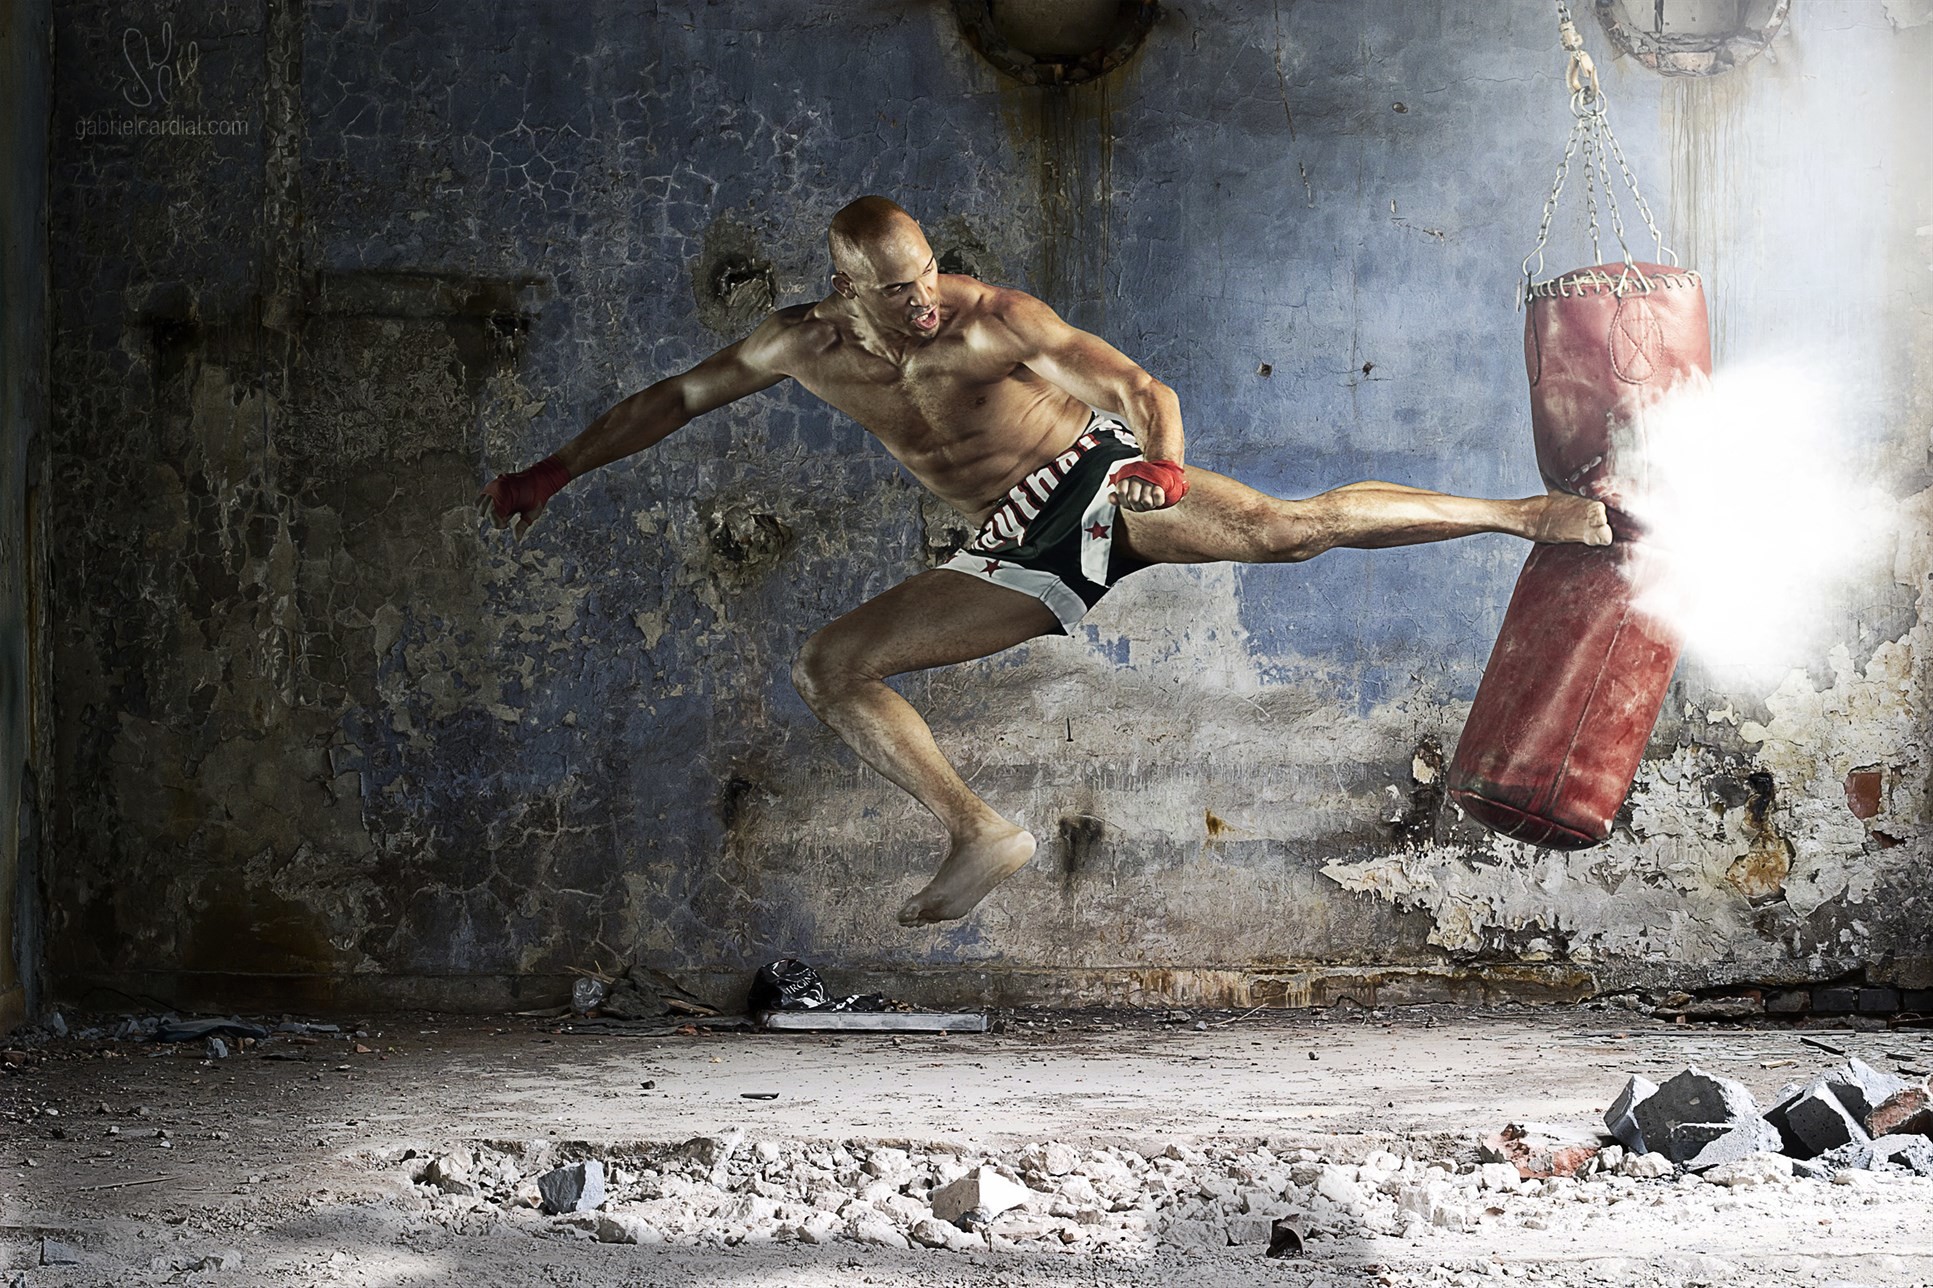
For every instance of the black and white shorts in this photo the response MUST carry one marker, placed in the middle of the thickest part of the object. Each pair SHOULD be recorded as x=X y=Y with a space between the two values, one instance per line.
x=1053 y=535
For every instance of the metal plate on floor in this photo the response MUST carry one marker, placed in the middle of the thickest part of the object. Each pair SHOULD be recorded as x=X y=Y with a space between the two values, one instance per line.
x=877 y=1022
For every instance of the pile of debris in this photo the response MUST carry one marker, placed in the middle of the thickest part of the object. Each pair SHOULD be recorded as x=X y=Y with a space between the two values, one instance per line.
x=1125 y=1199
x=726 y=1190
x=1854 y=1117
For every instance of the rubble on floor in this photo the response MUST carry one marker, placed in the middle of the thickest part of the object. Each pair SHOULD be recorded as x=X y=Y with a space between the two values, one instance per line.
x=1854 y=1118
x=726 y=1190
x=1384 y=1152
x=208 y=1037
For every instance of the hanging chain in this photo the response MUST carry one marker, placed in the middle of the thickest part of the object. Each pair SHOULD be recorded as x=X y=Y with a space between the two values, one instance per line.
x=1598 y=155
x=1550 y=208
x=1592 y=132
x=1592 y=167
x=1644 y=207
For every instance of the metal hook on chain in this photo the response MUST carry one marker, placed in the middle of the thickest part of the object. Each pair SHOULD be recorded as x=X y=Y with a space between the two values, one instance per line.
x=1581 y=74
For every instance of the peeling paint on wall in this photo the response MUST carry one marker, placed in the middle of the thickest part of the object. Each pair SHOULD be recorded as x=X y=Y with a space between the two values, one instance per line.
x=1728 y=868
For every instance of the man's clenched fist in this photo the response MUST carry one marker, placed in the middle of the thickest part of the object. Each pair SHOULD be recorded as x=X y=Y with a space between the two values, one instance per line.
x=522 y=495
x=1149 y=485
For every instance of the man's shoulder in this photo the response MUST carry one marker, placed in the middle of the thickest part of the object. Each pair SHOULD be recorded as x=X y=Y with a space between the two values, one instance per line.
x=798 y=330
x=985 y=299
x=1000 y=314
x=794 y=320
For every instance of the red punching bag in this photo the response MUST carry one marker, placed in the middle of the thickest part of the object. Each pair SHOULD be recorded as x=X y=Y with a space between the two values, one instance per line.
x=1574 y=684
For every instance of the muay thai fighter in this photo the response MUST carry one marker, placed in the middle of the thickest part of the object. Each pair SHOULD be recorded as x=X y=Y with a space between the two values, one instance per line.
x=987 y=398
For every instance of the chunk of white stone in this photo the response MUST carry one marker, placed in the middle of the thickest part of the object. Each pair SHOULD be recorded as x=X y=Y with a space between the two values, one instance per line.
x=622 y=1227
x=1340 y=1189
x=1499 y=1176
x=932 y=1233
x=876 y=1231
x=1646 y=1166
x=982 y=1188
x=1058 y=1159
x=1754 y=1169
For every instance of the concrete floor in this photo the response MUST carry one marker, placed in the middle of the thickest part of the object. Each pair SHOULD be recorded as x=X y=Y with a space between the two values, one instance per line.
x=275 y=1171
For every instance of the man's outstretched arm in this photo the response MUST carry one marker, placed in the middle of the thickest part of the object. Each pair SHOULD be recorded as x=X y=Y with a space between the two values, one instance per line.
x=638 y=422
x=1100 y=375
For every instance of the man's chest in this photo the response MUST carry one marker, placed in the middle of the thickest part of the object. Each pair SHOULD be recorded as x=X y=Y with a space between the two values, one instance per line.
x=935 y=385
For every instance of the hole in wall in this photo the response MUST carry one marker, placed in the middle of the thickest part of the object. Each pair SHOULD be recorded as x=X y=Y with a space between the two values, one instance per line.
x=743 y=287
x=1080 y=837
x=743 y=541
x=733 y=280
x=957 y=259
x=1692 y=37
x=964 y=248
x=733 y=799
x=1056 y=42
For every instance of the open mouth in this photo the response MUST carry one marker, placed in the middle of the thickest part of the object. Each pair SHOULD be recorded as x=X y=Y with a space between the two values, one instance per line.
x=929 y=320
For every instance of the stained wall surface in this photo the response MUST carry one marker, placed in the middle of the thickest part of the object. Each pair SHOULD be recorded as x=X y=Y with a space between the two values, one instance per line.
x=323 y=269
x=24 y=67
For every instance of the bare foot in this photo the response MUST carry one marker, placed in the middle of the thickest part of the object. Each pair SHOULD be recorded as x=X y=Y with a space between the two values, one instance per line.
x=970 y=870
x=1563 y=517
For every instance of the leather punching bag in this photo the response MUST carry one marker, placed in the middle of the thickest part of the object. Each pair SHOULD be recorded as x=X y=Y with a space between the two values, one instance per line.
x=1573 y=686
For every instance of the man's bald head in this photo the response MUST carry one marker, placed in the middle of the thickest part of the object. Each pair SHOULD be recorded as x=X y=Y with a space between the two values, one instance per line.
x=869 y=229
x=883 y=266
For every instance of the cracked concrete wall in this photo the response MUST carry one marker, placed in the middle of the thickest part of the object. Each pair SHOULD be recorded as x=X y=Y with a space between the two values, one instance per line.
x=318 y=743
x=24 y=71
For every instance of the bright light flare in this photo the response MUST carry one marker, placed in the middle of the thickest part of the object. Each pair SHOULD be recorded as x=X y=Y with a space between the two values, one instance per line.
x=1748 y=484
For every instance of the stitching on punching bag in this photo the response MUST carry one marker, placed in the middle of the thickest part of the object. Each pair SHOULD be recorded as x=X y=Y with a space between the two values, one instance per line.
x=1583 y=712
x=1632 y=359
x=1533 y=346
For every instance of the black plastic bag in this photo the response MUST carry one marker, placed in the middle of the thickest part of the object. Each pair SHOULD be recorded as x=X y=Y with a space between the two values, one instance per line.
x=786 y=985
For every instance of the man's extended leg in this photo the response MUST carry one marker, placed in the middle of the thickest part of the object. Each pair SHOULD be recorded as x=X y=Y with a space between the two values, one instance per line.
x=934 y=619
x=1223 y=519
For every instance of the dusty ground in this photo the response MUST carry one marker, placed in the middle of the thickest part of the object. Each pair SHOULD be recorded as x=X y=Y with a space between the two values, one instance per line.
x=252 y=1170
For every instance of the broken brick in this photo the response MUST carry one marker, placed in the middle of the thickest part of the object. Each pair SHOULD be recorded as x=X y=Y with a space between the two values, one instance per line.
x=1908 y=1112
x=1538 y=1154
x=1862 y=792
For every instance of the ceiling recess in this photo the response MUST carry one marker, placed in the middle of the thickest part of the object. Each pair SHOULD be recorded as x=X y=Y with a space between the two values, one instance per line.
x=1056 y=42
x=1692 y=37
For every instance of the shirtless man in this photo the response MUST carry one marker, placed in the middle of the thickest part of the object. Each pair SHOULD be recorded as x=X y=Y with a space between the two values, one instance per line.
x=986 y=397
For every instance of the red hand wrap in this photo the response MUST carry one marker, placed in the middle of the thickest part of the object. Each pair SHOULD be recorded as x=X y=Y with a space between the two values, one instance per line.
x=1165 y=475
x=527 y=489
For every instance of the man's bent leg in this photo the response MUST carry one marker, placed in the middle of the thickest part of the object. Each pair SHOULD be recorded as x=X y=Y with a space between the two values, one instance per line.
x=935 y=619
x=1223 y=519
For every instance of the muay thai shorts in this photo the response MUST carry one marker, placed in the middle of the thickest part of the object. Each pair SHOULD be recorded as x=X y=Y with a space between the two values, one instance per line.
x=1052 y=535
